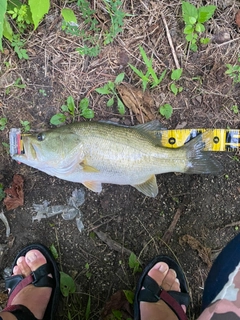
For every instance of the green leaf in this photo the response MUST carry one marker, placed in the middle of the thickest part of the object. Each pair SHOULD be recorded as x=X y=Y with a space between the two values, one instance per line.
x=7 y=29
x=103 y=90
x=176 y=74
x=133 y=261
x=64 y=108
x=84 y=103
x=193 y=47
x=3 y=122
x=189 y=11
x=174 y=89
x=205 y=13
x=38 y=10
x=110 y=102
x=71 y=105
x=192 y=20
x=54 y=251
x=57 y=119
x=121 y=107
x=188 y=29
x=166 y=110
x=199 y=27
x=111 y=85
x=119 y=78
x=138 y=72
x=68 y=15
x=204 y=40
x=67 y=284
x=147 y=61
x=88 y=308
x=129 y=295
x=189 y=37
x=3 y=9
x=87 y=113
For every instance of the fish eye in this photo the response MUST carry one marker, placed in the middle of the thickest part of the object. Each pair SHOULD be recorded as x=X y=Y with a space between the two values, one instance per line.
x=40 y=137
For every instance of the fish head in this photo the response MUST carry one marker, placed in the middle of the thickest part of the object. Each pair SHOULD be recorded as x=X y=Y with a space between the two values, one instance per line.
x=52 y=149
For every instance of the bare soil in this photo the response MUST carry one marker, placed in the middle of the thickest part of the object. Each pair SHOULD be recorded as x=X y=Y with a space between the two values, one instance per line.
x=207 y=206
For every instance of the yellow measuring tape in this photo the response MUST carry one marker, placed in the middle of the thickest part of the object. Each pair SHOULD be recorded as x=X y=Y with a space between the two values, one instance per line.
x=218 y=139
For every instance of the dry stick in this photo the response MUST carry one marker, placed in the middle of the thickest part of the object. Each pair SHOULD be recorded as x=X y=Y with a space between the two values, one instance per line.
x=113 y=245
x=170 y=42
x=168 y=234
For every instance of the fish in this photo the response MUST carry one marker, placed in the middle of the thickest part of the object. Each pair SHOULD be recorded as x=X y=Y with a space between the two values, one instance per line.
x=93 y=153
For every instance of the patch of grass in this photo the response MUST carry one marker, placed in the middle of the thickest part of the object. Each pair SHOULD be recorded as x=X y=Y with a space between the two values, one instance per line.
x=150 y=76
x=117 y=15
x=194 y=19
x=23 y=16
x=72 y=111
x=90 y=33
x=110 y=89
x=233 y=71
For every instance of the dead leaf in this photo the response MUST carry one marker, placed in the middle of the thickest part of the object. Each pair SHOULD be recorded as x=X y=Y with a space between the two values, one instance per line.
x=203 y=252
x=237 y=18
x=14 y=195
x=118 y=301
x=140 y=103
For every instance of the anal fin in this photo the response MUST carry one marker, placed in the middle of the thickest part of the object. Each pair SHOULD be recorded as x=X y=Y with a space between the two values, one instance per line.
x=149 y=187
x=95 y=186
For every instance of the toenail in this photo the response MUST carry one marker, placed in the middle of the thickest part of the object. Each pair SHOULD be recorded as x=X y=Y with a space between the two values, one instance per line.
x=163 y=267
x=31 y=257
x=176 y=280
x=20 y=259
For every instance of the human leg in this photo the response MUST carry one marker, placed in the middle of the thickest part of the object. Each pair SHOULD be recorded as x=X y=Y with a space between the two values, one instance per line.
x=33 y=286
x=221 y=296
x=161 y=291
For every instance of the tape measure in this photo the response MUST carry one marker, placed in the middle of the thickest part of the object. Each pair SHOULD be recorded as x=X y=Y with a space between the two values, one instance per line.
x=220 y=139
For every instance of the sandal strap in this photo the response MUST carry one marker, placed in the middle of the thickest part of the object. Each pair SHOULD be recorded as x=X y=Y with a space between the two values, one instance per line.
x=20 y=312
x=152 y=292
x=39 y=278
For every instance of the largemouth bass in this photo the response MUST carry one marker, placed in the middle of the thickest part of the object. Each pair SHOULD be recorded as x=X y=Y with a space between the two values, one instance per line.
x=93 y=153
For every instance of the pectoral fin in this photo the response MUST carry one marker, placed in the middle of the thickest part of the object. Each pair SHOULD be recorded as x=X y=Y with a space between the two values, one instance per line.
x=149 y=187
x=88 y=168
x=95 y=186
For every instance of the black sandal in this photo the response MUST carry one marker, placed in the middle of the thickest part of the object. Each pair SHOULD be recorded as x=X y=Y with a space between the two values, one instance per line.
x=152 y=292
x=39 y=278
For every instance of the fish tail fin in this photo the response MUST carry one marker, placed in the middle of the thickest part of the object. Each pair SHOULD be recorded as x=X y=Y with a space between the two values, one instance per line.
x=199 y=161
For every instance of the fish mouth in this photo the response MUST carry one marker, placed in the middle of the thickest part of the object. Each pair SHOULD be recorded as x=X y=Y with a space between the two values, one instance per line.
x=29 y=151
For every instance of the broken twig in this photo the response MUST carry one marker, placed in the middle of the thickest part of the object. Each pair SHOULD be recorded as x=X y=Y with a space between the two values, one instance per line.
x=170 y=42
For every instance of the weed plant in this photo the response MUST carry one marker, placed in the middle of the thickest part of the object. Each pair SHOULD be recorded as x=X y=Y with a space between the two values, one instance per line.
x=194 y=19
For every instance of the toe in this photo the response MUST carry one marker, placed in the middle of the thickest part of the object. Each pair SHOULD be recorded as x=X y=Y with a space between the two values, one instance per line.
x=23 y=267
x=169 y=282
x=34 y=259
x=159 y=272
x=16 y=271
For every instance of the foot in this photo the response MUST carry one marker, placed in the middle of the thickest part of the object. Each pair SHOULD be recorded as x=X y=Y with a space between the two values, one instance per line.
x=34 y=298
x=167 y=279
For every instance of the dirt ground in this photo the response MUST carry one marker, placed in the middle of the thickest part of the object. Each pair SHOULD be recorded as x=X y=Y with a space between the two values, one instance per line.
x=207 y=206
